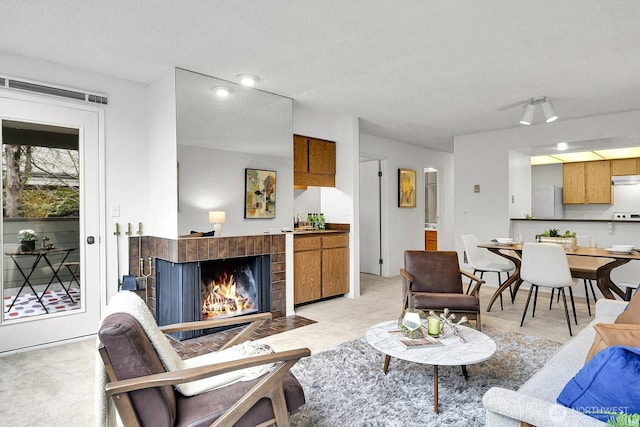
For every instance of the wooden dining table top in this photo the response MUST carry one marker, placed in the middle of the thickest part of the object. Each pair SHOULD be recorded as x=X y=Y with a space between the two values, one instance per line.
x=579 y=251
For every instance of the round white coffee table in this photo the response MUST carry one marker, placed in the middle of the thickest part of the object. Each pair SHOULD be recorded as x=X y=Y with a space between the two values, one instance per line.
x=477 y=348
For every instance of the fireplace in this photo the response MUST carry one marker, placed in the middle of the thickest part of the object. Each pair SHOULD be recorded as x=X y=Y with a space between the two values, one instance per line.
x=211 y=289
x=235 y=287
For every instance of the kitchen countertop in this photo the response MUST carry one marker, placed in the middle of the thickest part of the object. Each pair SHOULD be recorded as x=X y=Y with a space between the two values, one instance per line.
x=572 y=220
x=302 y=232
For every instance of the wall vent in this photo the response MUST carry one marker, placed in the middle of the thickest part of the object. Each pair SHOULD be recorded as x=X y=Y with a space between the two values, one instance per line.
x=47 y=89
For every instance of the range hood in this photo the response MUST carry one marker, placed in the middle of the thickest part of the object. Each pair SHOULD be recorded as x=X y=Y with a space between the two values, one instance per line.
x=625 y=180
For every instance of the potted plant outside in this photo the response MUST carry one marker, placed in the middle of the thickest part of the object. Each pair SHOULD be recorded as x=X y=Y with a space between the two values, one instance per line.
x=27 y=239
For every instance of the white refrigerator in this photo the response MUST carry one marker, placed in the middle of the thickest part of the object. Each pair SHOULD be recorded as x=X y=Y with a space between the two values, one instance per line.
x=546 y=202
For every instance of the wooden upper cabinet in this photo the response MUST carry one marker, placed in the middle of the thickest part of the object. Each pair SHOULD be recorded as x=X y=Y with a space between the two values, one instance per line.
x=598 y=182
x=322 y=157
x=625 y=167
x=314 y=162
x=587 y=182
x=300 y=153
x=573 y=189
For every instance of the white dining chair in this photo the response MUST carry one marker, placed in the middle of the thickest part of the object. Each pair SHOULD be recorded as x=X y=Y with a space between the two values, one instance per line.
x=478 y=260
x=546 y=265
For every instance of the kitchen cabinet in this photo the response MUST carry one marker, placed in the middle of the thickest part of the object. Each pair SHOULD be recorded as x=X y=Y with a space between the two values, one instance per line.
x=314 y=162
x=587 y=182
x=320 y=266
x=430 y=240
x=621 y=167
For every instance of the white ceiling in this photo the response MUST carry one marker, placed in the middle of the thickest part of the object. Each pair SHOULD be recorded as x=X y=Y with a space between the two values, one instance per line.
x=420 y=71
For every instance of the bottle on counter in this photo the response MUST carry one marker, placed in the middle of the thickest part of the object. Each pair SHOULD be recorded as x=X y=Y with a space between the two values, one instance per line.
x=321 y=224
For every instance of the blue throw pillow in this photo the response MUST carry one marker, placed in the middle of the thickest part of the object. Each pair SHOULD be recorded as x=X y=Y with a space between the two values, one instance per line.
x=608 y=384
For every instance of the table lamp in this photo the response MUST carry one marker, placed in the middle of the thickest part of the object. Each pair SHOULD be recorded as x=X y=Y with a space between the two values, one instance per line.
x=217 y=218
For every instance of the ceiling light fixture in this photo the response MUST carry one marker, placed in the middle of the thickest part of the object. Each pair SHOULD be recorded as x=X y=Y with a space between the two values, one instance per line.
x=527 y=116
x=221 y=91
x=562 y=146
x=548 y=111
x=530 y=110
x=247 y=79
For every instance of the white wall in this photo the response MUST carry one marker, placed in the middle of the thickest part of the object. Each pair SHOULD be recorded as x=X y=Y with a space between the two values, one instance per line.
x=219 y=185
x=404 y=228
x=163 y=157
x=126 y=135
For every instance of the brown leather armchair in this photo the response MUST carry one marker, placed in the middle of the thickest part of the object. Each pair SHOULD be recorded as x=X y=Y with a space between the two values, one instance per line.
x=143 y=391
x=432 y=280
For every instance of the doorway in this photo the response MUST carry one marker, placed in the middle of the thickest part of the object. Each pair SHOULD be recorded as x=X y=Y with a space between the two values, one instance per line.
x=51 y=205
x=431 y=209
x=371 y=217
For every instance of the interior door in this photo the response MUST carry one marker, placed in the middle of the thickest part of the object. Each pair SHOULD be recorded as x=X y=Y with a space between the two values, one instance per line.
x=370 y=221
x=52 y=326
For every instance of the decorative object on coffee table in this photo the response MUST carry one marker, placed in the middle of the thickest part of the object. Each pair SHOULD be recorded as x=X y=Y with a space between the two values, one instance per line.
x=411 y=323
x=448 y=319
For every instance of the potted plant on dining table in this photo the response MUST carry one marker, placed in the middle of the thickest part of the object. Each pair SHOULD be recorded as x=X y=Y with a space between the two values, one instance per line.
x=568 y=239
x=27 y=239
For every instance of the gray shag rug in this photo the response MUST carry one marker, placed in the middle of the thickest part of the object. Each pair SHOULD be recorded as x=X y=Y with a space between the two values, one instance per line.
x=345 y=386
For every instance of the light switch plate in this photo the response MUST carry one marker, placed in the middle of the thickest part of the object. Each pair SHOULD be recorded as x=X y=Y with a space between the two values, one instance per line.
x=476 y=188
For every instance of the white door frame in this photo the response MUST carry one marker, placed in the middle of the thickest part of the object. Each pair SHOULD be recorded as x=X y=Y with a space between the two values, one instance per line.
x=97 y=229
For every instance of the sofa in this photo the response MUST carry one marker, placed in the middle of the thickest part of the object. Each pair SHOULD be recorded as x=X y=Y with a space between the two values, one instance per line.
x=535 y=402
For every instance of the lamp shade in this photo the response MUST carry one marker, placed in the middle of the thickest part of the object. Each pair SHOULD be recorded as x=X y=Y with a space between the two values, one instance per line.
x=527 y=115
x=217 y=217
x=548 y=111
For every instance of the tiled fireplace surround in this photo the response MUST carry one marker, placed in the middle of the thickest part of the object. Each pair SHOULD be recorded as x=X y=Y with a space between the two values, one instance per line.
x=211 y=248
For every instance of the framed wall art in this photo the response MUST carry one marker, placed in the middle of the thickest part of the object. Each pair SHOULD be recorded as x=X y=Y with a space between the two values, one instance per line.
x=260 y=194
x=406 y=188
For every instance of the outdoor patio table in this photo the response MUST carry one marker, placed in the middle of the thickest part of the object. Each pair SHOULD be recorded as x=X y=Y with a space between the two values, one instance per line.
x=40 y=254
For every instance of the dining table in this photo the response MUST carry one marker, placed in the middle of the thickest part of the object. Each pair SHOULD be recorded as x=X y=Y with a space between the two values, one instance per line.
x=513 y=252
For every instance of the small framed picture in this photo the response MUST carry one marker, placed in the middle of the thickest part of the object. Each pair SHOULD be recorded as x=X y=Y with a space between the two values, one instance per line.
x=406 y=188
x=259 y=194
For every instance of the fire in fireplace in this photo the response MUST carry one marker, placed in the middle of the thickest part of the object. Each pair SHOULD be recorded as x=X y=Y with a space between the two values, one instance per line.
x=228 y=289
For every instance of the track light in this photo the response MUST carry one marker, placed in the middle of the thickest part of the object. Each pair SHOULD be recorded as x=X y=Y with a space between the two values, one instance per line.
x=530 y=110
x=548 y=111
x=527 y=116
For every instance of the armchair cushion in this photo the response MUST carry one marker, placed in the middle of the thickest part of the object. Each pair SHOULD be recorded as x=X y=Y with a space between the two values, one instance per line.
x=440 y=301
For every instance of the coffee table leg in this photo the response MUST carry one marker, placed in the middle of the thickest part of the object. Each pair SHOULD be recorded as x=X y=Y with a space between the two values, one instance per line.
x=435 y=389
x=464 y=372
x=387 y=358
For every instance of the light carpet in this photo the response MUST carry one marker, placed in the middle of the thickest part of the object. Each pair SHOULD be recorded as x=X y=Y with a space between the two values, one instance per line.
x=346 y=386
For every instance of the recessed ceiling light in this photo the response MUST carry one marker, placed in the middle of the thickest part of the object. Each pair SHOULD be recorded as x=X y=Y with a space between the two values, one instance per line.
x=221 y=91
x=562 y=146
x=247 y=79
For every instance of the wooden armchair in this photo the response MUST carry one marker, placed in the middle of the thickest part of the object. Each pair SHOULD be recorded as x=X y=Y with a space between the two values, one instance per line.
x=432 y=280
x=143 y=392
